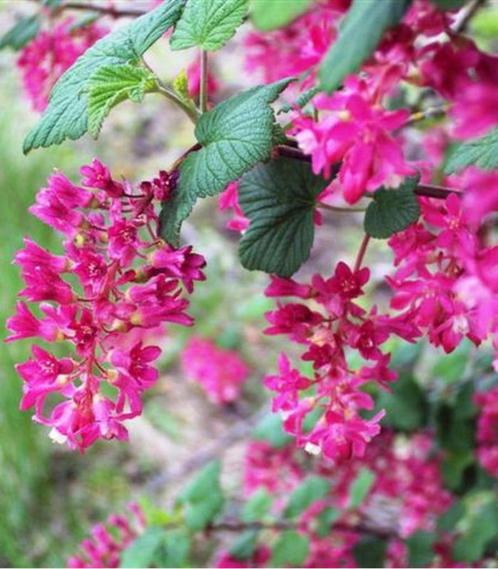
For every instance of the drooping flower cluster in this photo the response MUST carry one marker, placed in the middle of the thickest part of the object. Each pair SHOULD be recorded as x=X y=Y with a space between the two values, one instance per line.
x=220 y=372
x=109 y=540
x=328 y=327
x=114 y=278
x=487 y=430
x=50 y=53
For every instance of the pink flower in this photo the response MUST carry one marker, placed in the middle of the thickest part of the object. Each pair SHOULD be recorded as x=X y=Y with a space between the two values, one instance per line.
x=50 y=53
x=220 y=372
x=355 y=133
x=99 y=176
x=229 y=199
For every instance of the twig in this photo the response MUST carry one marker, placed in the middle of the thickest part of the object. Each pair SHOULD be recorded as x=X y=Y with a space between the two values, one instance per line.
x=337 y=209
x=129 y=11
x=361 y=253
x=291 y=152
x=461 y=24
x=432 y=191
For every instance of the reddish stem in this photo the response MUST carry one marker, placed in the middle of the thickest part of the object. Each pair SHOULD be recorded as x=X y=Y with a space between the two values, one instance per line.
x=361 y=253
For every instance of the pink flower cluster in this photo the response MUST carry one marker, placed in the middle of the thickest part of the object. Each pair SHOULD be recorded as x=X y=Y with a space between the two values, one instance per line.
x=114 y=278
x=407 y=495
x=108 y=541
x=50 y=53
x=292 y=50
x=327 y=327
x=487 y=430
x=220 y=372
x=229 y=200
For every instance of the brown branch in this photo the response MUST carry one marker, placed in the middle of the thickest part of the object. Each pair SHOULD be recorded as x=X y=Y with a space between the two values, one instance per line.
x=291 y=152
x=432 y=191
x=461 y=25
x=128 y=11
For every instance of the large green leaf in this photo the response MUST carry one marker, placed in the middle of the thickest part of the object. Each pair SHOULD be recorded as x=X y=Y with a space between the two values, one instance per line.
x=279 y=199
x=67 y=115
x=21 y=33
x=235 y=135
x=360 y=34
x=110 y=86
x=481 y=152
x=272 y=14
x=208 y=24
x=142 y=550
x=482 y=529
x=392 y=210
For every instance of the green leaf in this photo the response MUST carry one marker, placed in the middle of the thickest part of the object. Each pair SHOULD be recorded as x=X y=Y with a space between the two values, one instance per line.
x=290 y=549
x=325 y=520
x=392 y=210
x=279 y=200
x=198 y=515
x=370 y=552
x=406 y=405
x=174 y=549
x=67 y=114
x=360 y=487
x=270 y=429
x=244 y=546
x=481 y=152
x=142 y=550
x=269 y=15
x=312 y=489
x=449 y=4
x=483 y=528
x=257 y=507
x=110 y=86
x=237 y=134
x=449 y=520
x=359 y=35
x=208 y=24
x=420 y=552
x=21 y=33
x=206 y=480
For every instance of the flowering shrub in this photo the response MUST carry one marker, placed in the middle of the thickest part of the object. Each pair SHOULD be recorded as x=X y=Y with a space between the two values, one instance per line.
x=387 y=109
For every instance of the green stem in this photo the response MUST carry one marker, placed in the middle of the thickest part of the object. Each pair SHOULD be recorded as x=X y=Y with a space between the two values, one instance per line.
x=203 y=92
x=190 y=111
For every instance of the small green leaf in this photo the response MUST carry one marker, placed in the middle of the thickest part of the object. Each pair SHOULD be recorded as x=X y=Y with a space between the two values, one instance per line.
x=174 y=550
x=290 y=550
x=180 y=86
x=67 y=113
x=370 y=552
x=481 y=152
x=206 y=480
x=392 y=210
x=256 y=508
x=110 y=86
x=142 y=550
x=199 y=514
x=208 y=24
x=449 y=520
x=279 y=200
x=420 y=552
x=244 y=546
x=269 y=15
x=449 y=4
x=21 y=33
x=235 y=135
x=312 y=489
x=359 y=35
x=483 y=528
x=270 y=429
x=360 y=487
x=325 y=520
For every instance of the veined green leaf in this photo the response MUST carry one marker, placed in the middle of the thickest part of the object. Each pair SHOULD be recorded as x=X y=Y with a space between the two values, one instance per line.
x=208 y=24
x=481 y=152
x=269 y=15
x=67 y=113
